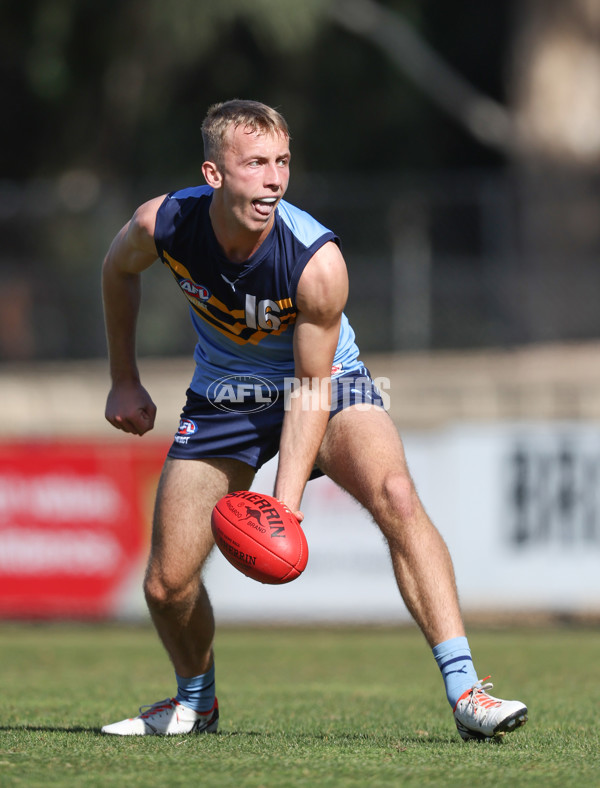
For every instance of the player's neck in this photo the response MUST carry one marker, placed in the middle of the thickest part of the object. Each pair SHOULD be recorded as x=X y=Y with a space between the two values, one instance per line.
x=238 y=243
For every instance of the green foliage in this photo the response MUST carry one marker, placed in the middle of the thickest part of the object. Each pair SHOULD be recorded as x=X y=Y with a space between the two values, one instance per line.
x=120 y=87
x=304 y=707
x=190 y=26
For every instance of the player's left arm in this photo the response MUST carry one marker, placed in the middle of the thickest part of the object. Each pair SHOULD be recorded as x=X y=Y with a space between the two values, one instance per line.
x=321 y=297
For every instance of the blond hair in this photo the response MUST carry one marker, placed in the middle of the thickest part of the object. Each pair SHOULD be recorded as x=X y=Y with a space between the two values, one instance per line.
x=253 y=115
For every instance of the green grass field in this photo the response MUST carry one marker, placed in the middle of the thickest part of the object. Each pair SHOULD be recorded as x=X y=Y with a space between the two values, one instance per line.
x=300 y=707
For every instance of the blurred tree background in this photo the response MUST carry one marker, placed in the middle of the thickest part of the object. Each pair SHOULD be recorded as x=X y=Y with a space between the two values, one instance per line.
x=455 y=148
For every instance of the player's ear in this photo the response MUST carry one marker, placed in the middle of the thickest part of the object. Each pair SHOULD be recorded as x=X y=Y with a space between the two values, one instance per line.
x=212 y=174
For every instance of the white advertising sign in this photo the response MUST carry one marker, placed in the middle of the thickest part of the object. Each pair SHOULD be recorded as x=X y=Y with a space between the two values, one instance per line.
x=518 y=505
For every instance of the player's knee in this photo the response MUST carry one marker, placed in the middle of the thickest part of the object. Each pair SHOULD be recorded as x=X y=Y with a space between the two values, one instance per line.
x=161 y=591
x=398 y=501
x=155 y=592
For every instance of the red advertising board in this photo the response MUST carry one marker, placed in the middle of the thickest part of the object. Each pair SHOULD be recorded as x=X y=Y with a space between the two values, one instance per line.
x=74 y=524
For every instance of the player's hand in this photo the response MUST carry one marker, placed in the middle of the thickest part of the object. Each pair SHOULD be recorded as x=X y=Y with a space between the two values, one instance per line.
x=130 y=408
x=297 y=514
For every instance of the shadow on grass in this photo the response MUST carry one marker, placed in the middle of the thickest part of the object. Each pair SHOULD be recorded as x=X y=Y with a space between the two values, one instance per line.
x=48 y=729
x=343 y=739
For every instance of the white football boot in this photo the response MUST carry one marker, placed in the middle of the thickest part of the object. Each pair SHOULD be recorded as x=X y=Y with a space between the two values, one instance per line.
x=166 y=718
x=478 y=715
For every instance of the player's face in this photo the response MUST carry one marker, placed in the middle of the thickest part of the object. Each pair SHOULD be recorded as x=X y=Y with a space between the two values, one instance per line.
x=255 y=175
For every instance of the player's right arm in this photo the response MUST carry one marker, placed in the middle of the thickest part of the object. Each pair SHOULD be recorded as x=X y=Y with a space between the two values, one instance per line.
x=129 y=406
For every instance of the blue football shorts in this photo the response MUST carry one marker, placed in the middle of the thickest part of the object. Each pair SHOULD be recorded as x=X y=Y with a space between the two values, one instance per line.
x=244 y=421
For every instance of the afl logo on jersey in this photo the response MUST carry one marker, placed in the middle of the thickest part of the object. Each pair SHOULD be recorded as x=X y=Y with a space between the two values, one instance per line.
x=242 y=393
x=195 y=291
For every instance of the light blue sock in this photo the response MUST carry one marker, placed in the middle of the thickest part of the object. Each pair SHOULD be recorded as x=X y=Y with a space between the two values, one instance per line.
x=456 y=665
x=197 y=692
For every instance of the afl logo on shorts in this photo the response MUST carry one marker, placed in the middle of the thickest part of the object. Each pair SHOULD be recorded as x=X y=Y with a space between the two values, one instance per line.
x=187 y=427
x=242 y=393
x=195 y=291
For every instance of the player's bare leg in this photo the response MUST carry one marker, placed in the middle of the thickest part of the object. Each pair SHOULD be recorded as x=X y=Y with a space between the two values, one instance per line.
x=363 y=453
x=176 y=597
x=181 y=542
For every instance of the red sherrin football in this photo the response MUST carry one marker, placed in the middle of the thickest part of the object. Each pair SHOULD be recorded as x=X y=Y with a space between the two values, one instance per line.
x=260 y=536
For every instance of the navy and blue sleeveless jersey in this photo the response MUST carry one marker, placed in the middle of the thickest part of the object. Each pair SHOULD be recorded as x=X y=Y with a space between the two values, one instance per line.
x=243 y=313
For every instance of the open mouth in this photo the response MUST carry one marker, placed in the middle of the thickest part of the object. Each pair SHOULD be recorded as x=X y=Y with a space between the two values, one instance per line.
x=264 y=206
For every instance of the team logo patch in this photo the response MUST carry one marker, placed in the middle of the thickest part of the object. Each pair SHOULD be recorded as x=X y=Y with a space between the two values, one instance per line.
x=242 y=393
x=187 y=427
x=193 y=290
